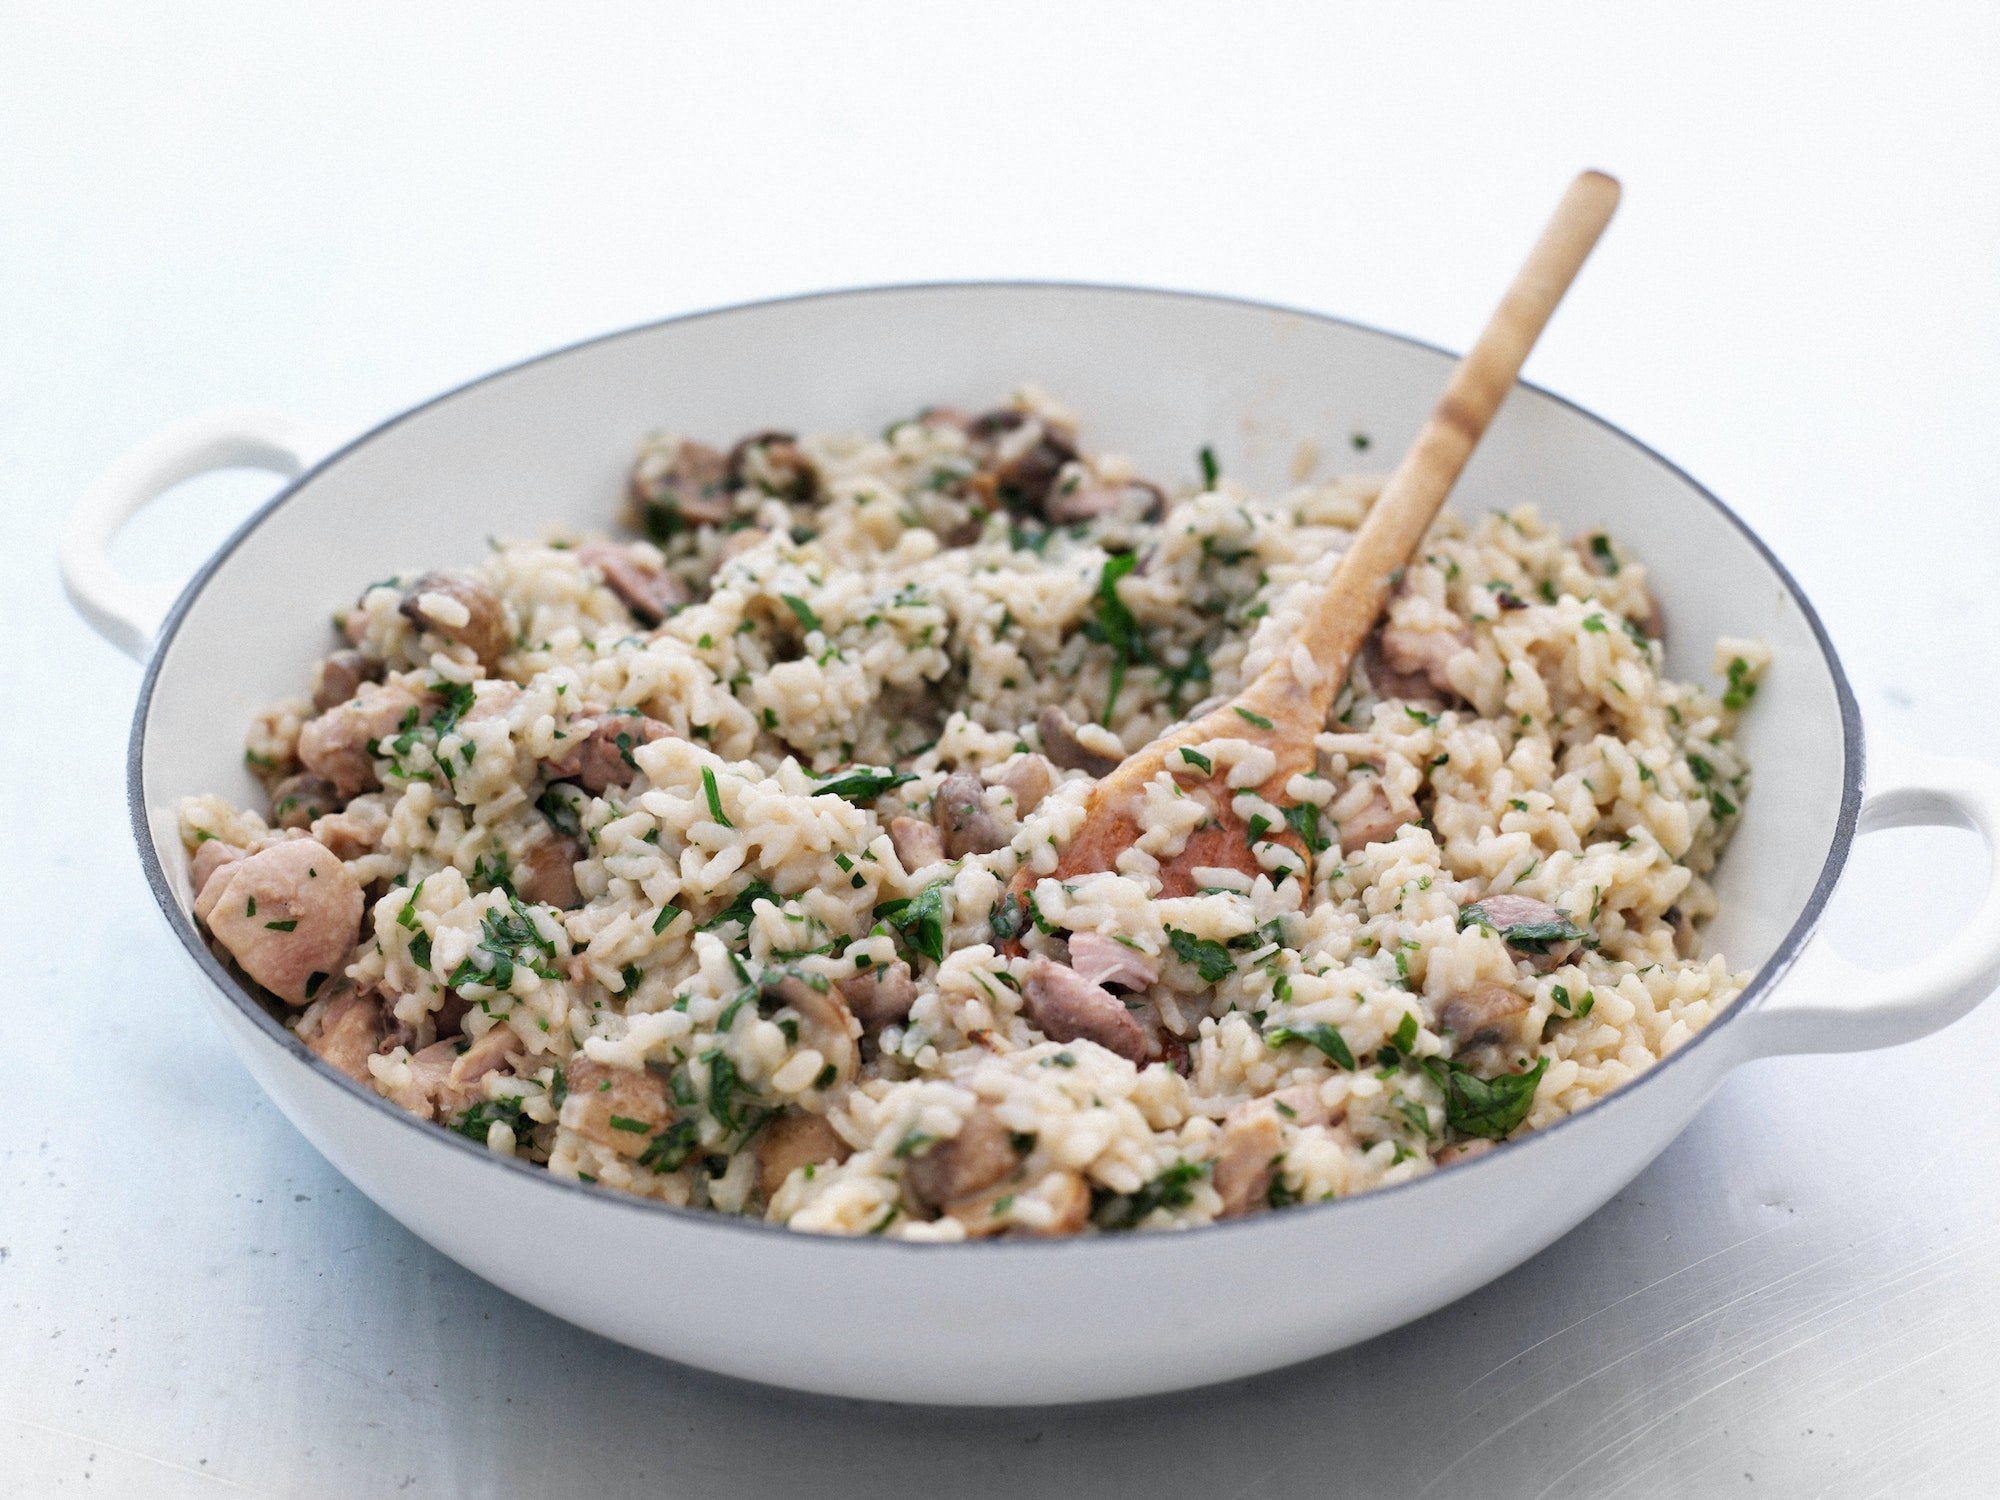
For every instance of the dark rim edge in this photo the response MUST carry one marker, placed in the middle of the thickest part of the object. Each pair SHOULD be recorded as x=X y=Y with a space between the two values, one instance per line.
x=1853 y=753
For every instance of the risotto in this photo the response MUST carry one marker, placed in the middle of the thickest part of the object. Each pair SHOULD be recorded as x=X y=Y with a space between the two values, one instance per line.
x=681 y=865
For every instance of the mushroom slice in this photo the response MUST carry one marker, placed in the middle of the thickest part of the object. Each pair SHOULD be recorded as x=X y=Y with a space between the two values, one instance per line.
x=1077 y=498
x=959 y=809
x=1532 y=930
x=1028 y=779
x=300 y=800
x=793 y=1141
x=621 y=1109
x=1027 y=453
x=882 y=995
x=774 y=463
x=1066 y=1007
x=462 y=610
x=1251 y=1140
x=644 y=586
x=289 y=915
x=1061 y=745
x=351 y=1030
x=677 y=485
x=1485 y=1019
x=1375 y=823
x=339 y=676
x=598 y=754
x=336 y=745
x=982 y=1155
x=917 y=843
x=546 y=874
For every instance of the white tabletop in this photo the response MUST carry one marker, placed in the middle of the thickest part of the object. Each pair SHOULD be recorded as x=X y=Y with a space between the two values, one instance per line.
x=336 y=212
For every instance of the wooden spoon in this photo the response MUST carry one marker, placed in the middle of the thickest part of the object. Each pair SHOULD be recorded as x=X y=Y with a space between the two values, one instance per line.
x=1280 y=711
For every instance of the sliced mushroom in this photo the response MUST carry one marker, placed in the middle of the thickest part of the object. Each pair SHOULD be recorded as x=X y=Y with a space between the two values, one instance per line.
x=288 y=914
x=1076 y=498
x=1485 y=1019
x=297 y=801
x=1063 y=1192
x=644 y=586
x=774 y=463
x=882 y=995
x=351 y=1030
x=1028 y=779
x=980 y=1156
x=598 y=754
x=1375 y=823
x=1102 y=960
x=1026 y=455
x=621 y=1109
x=1066 y=1007
x=825 y=1023
x=462 y=610
x=793 y=1141
x=1060 y=744
x=1533 y=930
x=339 y=676
x=337 y=744
x=546 y=873
x=959 y=810
x=677 y=485
x=917 y=843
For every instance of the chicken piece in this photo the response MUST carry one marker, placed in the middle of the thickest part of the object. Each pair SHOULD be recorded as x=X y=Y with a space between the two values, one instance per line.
x=793 y=1141
x=286 y=914
x=1077 y=498
x=618 y=1108
x=301 y=800
x=1066 y=1007
x=335 y=745
x=463 y=611
x=774 y=463
x=917 y=843
x=677 y=485
x=355 y=830
x=1416 y=660
x=980 y=1156
x=1065 y=1193
x=959 y=810
x=1375 y=823
x=882 y=995
x=445 y=1078
x=1102 y=960
x=339 y=676
x=1533 y=930
x=642 y=585
x=598 y=753
x=351 y=1030
x=825 y=1023
x=1251 y=1140
x=1060 y=744
x=1459 y=1151
x=546 y=874
x=210 y=856
x=1486 y=1019
x=1028 y=779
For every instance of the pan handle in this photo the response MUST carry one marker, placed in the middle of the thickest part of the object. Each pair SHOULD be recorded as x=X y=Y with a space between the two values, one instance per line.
x=1830 y=1005
x=127 y=612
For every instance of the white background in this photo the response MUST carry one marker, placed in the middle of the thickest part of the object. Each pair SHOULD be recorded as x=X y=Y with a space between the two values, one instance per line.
x=338 y=210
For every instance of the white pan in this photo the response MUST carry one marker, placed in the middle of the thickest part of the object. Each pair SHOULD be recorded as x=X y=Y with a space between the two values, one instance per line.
x=1156 y=375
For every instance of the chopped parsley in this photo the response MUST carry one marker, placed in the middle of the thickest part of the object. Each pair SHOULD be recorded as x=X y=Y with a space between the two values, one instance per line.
x=920 y=919
x=1173 y=1188
x=1114 y=625
x=1210 y=469
x=1320 y=1035
x=1486 y=1107
x=862 y=785
x=714 y=796
x=1258 y=719
x=1210 y=958
x=804 y=611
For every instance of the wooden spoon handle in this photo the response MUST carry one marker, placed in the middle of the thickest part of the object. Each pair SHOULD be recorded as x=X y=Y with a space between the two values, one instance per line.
x=1396 y=524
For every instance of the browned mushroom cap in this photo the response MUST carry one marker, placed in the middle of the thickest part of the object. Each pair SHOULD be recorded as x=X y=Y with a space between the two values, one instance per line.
x=793 y=1141
x=298 y=800
x=336 y=745
x=677 y=485
x=462 y=610
x=882 y=995
x=546 y=874
x=288 y=914
x=825 y=1023
x=598 y=755
x=1375 y=823
x=959 y=810
x=1533 y=930
x=916 y=842
x=1101 y=960
x=1487 y=1018
x=1026 y=454
x=339 y=676
x=621 y=1109
x=352 y=1029
x=774 y=463
x=642 y=585
x=982 y=1155
x=1060 y=744
x=1076 y=498
x=1066 y=1007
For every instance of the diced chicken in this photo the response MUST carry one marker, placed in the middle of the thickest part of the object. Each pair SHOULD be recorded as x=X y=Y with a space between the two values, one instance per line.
x=643 y=585
x=1076 y=498
x=1485 y=1019
x=1532 y=929
x=1375 y=823
x=1063 y=1192
x=339 y=676
x=445 y=1076
x=1066 y=1007
x=336 y=744
x=1028 y=779
x=462 y=610
x=959 y=810
x=355 y=830
x=598 y=755
x=882 y=995
x=825 y=1023
x=1251 y=1140
x=793 y=1141
x=1102 y=960
x=618 y=1108
x=287 y=913
x=917 y=843
x=546 y=874
x=979 y=1157
x=1416 y=660
x=351 y=1030
x=677 y=485
x=1061 y=745
x=210 y=856
x=299 y=801
x=774 y=463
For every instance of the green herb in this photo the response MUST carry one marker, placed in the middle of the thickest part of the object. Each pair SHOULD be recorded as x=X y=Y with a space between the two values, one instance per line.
x=1320 y=1035
x=1195 y=758
x=250 y=907
x=1361 y=440
x=627 y=1123
x=1114 y=625
x=807 y=619
x=1406 y=1033
x=508 y=939
x=669 y=1150
x=862 y=785
x=1703 y=771
x=285 y=926
x=1173 y=1188
x=556 y=806
x=1258 y=719
x=1210 y=958
x=483 y=1116
x=919 y=919
x=1526 y=937
x=1304 y=821
x=1210 y=469
x=1063 y=1059
x=1600 y=548
x=458 y=698
x=1007 y=920
x=1721 y=805
x=1486 y=1107
x=913 y=1143
x=743 y=908
x=1594 y=624
x=313 y=981
x=723 y=1085
x=714 y=796
x=1420 y=716
x=1742 y=685
x=826 y=1077
x=669 y=914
